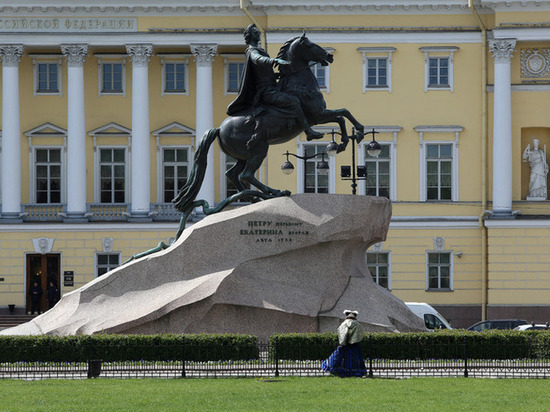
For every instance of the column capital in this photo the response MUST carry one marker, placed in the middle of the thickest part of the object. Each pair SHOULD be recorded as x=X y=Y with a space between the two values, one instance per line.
x=204 y=53
x=75 y=54
x=10 y=54
x=139 y=53
x=502 y=49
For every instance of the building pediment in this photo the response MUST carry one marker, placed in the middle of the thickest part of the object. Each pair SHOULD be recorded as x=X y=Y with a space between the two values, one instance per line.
x=174 y=129
x=46 y=129
x=110 y=129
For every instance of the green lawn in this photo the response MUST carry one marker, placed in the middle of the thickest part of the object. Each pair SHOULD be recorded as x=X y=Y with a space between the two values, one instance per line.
x=281 y=394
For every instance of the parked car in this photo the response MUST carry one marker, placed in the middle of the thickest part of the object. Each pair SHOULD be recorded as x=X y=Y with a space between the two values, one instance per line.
x=534 y=326
x=497 y=324
x=431 y=317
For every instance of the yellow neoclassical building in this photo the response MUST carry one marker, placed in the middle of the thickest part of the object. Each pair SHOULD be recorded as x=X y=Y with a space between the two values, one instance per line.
x=102 y=107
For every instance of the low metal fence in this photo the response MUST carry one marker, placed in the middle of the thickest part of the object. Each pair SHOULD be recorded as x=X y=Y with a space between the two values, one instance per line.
x=279 y=360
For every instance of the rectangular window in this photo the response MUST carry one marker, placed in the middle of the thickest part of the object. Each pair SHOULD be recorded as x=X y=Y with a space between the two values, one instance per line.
x=377 y=72
x=107 y=262
x=175 y=166
x=314 y=182
x=377 y=68
x=438 y=67
x=439 y=165
x=439 y=271
x=378 y=173
x=438 y=72
x=320 y=73
x=112 y=167
x=174 y=77
x=234 y=76
x=48 y=175
x=47 y=78
x=379 y=267
x=112 y=81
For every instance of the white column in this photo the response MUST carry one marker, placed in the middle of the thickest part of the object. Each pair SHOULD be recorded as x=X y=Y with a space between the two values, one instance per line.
x=204 y=55
x=76 y=131
x=141 y=156
x=11 y=132
x=502 y=51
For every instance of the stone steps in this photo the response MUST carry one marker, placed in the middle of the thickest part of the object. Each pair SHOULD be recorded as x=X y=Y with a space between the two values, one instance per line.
x=8 y=321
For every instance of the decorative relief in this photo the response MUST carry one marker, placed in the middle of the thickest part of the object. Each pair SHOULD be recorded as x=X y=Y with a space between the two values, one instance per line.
x=75 y=54
x=439 y=243
x=204 y=53
x=107 y=243
x=42 y=245
x=139 y=53
x=502 y=50
x=535 y=63
x=377 y=247
x=11 y=54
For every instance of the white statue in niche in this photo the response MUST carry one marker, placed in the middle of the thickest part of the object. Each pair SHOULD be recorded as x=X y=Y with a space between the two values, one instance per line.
x=539 y=171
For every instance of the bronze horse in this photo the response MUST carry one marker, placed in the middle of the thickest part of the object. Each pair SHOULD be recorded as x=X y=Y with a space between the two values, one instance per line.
x=295 y=78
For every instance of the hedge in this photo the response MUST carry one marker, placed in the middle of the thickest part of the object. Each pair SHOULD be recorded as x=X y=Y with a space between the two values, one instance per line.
x=293 y=346
x=502 y=344
x=200 y=347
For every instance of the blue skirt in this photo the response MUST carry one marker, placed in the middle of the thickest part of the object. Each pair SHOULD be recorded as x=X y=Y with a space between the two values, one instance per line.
x=346 y=361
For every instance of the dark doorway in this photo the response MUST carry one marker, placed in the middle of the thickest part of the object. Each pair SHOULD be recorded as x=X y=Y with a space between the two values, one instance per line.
x=42 y=269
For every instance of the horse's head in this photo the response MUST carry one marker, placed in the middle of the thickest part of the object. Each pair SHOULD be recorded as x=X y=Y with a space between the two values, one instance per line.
x=301 y=51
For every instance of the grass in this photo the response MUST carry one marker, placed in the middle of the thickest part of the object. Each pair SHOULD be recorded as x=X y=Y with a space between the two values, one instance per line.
x=280 y=394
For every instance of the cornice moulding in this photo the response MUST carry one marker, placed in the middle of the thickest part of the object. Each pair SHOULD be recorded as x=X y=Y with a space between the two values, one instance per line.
x=208 y=7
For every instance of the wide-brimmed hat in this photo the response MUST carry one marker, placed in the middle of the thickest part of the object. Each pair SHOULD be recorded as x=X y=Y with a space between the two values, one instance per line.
x=351 y=314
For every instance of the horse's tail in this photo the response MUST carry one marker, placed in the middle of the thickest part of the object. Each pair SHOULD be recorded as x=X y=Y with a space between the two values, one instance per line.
x=188 y=193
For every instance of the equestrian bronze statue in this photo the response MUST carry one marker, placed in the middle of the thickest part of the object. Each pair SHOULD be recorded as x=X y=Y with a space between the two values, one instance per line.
x=270 y=109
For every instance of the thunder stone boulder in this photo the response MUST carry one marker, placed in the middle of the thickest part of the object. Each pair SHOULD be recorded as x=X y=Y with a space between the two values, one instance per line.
x=290 y=264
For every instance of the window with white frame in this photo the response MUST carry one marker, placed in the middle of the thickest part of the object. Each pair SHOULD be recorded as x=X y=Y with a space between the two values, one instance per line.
x=234 y=70
x=439 y=275
x=175 y=171
x=106 y=262
x=111 y=163
x=174 y=75
x=321 y=73
x=377 y=68
x=438 y=67
x=314 y=182
x=378 y=263
x=439 y=171
x=47 y=157
x=48 y=175
x=378 y=172
x=46 y=74
x=439 y=163
x=112 y=175
x=112 y=75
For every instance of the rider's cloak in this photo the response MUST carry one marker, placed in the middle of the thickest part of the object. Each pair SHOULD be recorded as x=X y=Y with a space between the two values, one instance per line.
x=249 y=83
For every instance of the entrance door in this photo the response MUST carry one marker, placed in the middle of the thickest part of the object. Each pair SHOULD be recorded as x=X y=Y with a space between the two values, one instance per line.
x=42 y=269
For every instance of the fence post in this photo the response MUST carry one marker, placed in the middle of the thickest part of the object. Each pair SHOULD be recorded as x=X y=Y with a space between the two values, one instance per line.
x=183 y=356
x=94 y=365
x=370 y=356
x=276 y=356
x=465 y=357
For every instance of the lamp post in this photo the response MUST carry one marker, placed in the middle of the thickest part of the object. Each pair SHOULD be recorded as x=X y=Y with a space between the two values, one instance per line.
x=322 y=166
x=352 y=173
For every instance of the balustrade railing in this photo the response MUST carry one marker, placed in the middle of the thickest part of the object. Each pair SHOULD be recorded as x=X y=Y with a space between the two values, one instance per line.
x=107 y=212
x=43 y=212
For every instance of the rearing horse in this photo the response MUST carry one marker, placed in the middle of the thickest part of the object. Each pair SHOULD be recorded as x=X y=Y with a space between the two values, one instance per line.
x=276 y=127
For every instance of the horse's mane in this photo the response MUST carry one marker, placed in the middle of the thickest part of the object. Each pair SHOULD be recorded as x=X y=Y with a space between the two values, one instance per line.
x=283 y=55
x=283 y=51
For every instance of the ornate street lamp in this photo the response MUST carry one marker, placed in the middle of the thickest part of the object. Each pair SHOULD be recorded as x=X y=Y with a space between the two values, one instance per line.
x=322 y=166
x=352 y=173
